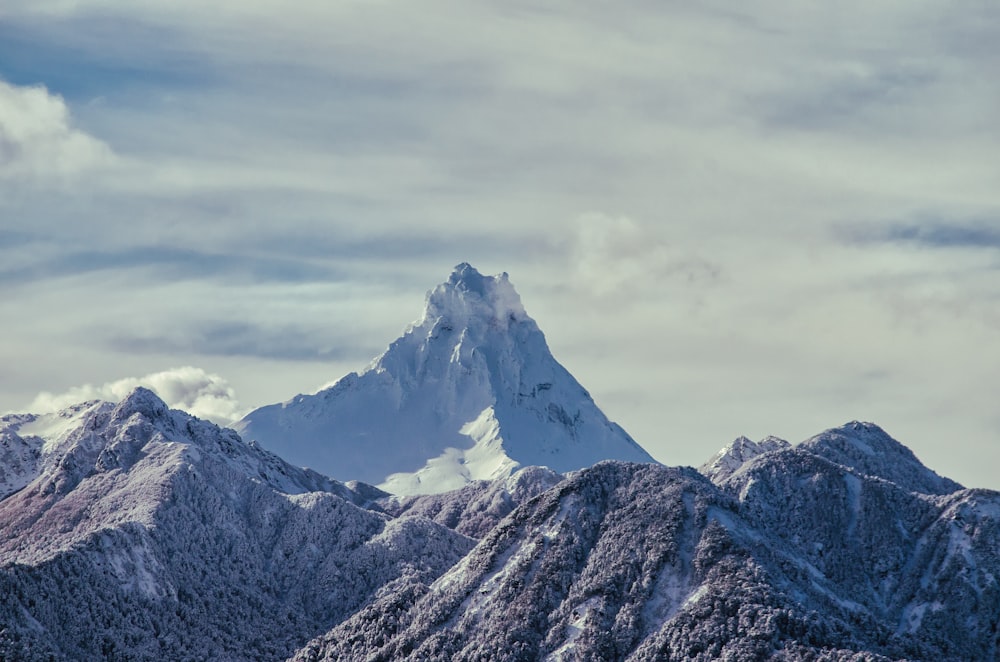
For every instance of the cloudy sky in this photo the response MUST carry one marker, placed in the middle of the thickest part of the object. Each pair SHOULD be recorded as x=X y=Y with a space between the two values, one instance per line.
x=729 y=218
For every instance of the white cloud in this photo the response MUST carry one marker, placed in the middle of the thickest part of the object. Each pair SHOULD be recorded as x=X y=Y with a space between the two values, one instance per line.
x=616 y=255
x=37 y=139
x=192 y=389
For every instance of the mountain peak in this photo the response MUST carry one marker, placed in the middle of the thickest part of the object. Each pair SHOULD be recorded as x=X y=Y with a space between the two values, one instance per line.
x=469 y=392
x=140 y=401
x=868 y=449
x=733 y=456
x=468 y=297
x=467 y=277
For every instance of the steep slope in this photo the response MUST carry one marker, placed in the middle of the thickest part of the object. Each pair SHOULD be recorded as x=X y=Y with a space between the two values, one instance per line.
x=149 y=534
x=907 y=552
x=912 y=568
x=27 y=441
x=469 y=392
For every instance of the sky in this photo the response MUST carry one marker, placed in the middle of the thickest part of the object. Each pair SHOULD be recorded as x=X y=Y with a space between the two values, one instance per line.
x=728 y=218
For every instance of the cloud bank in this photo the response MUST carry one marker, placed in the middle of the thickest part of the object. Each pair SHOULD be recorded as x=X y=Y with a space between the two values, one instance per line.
x=754 y=219
x=191 y=389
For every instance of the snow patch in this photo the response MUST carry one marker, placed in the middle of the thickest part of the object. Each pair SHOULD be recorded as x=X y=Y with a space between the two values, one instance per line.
x=670 y=593
x=696 y=596
x=581 y=615
x=456 y=467
x=134 y=565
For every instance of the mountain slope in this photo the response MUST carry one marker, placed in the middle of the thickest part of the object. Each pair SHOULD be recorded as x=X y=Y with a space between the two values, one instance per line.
x=869 y=450
x=622 y=561
x=790 y=556
x=145 y=534
x=475 y=509
x=919 y=568
x=151 y=535
x=469 y=392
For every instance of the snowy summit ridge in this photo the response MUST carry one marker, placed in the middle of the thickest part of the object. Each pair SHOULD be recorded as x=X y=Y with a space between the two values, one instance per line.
x=470 y=391
x=468 y=296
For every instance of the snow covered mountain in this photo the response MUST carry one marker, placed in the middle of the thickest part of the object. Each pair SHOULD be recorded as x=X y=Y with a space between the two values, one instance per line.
x=733 y=456
x=141 y=533
x=134 y=532
x=129 y=531
x=792 y=556
x=469 y=392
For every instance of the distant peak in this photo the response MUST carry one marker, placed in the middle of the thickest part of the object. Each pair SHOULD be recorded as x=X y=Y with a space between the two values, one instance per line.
x=865 y=426
x=733 y=456
x=467 y=278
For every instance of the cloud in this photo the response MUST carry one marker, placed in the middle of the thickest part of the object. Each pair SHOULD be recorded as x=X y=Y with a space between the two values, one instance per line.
x=166 y=263
x=290 y=195
x=243 y=339
x=616 y=255
x=936 y=233
x=37 y=139
x=195 y=391
x=929 y=270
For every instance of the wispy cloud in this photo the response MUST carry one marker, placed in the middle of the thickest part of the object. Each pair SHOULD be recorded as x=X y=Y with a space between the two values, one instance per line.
x=617 y=256
x=242 y=339
x=931 y=233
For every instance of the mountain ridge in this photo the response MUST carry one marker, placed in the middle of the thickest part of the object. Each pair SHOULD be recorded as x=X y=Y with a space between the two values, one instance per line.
x=132 y=531
x=796 y=552
x=153 y=535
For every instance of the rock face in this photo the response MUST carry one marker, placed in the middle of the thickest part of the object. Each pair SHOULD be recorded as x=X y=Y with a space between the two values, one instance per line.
x=469 y=392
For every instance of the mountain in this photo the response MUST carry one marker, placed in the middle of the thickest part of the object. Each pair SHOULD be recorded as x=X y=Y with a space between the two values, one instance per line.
x=469 y=392
x=142 y=533
x=136 y=532
x=869 y=450
x=733 y=456
x=793 y=556
x=130 y=531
